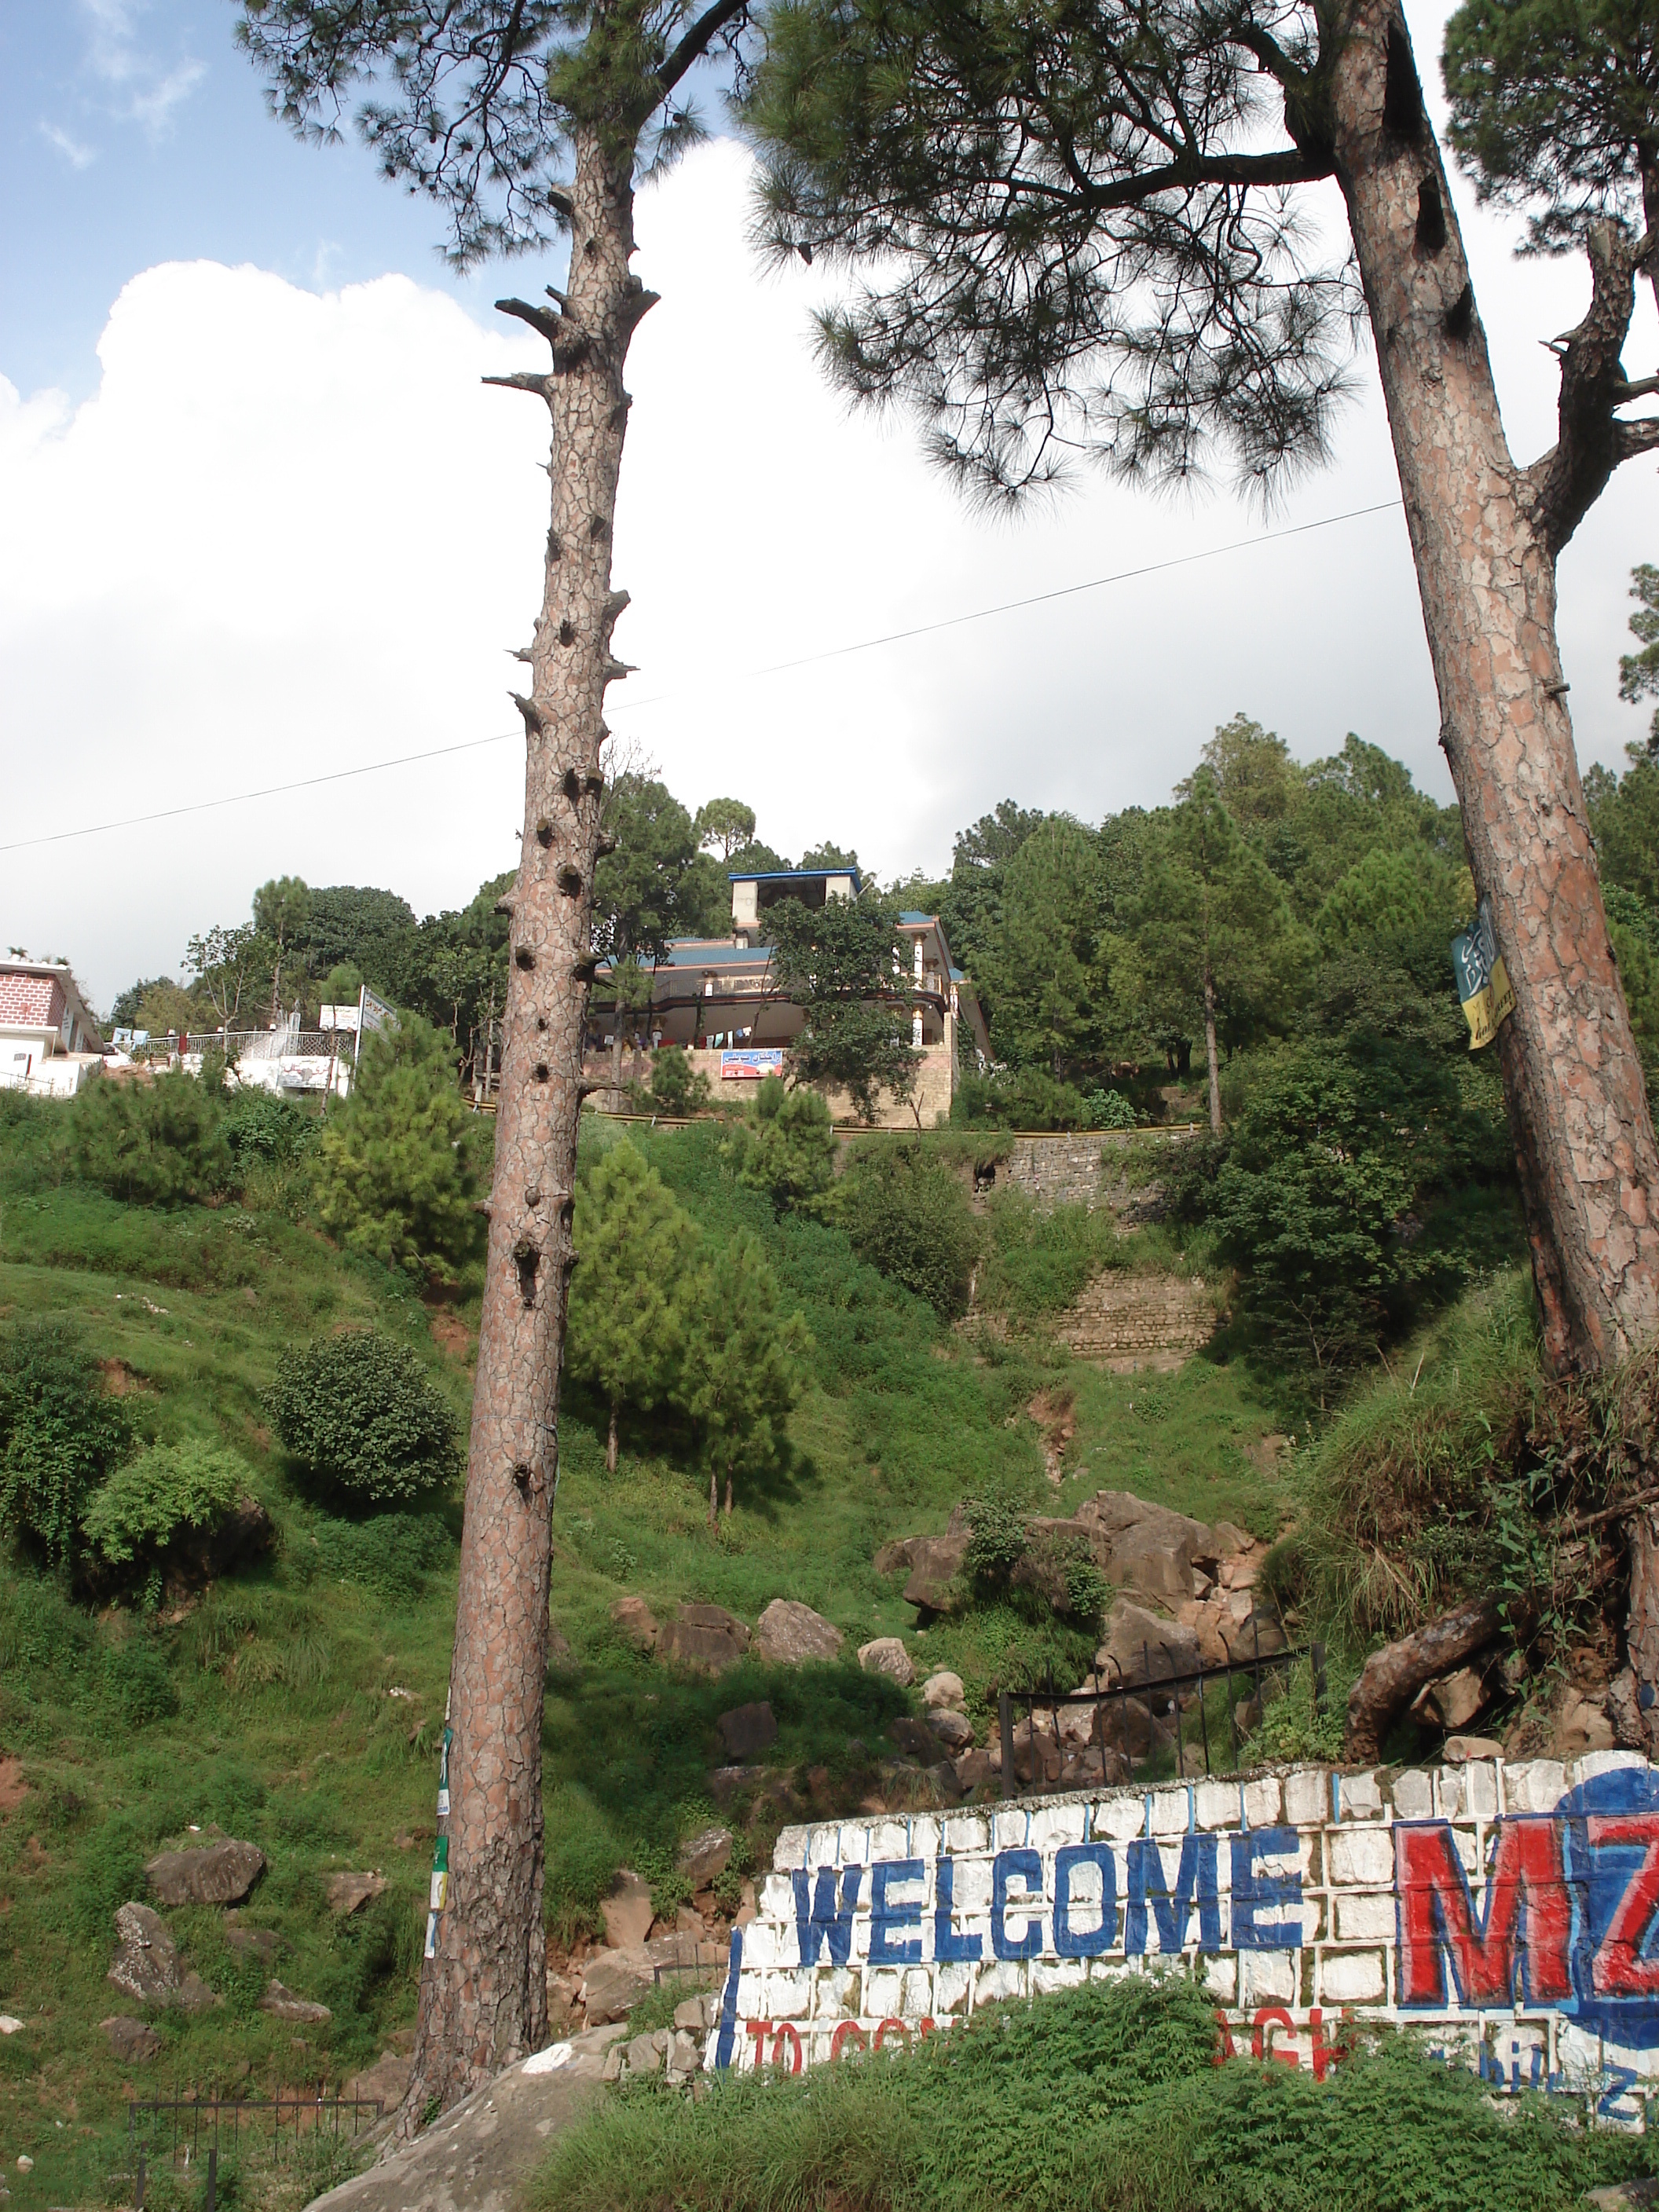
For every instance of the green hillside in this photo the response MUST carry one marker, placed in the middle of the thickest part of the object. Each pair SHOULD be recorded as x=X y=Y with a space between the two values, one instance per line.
x=296 y=1704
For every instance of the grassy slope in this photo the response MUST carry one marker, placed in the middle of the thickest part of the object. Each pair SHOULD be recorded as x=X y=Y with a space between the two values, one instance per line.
x=267 y=1711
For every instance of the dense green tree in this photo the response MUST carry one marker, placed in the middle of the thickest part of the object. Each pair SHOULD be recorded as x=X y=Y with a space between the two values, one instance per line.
x=1254 y=775
x=1638 y=673
x=455 y=971
x=970 y=908
x=829 y=856
x=280 y=911
x=1623 y=813
x=1081 y=232
x=745 y=1364
x=154 y=1144
x=363 y=1419
x=636 y=887
x=845 y=965
x=167 y=1007
x=634 y=1243
x=1217 y=939
x=1040 y=962
x=908 y=1215
x=677 y=1087
x=786 y=1146
x=60 y=1436
x=372 y=929
x=393 y=1176
x=1400 y=905
x=1555 y=110
x=725 y=825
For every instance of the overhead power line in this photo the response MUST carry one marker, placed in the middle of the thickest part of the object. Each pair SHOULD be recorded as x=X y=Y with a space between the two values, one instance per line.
x=742 y=676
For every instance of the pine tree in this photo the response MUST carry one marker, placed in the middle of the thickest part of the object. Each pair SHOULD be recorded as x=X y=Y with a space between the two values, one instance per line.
x=634 y=1243
x=1081 y=232
x=744 y=1367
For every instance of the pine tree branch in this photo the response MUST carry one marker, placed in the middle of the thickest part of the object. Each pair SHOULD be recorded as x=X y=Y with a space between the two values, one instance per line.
x=1567 y=481
x=697 y=40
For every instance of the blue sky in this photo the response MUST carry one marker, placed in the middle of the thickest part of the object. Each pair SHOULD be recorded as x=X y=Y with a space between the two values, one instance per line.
x=134 y=131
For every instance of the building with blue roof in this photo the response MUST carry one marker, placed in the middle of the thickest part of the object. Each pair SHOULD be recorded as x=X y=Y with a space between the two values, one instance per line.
x=715 y=998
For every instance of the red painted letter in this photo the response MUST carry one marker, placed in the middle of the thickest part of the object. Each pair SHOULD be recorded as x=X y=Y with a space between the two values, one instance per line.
x=1618 y=1969
x=1436 y=1912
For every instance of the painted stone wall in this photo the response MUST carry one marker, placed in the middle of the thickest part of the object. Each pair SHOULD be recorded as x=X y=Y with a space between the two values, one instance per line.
x=1511 y=1910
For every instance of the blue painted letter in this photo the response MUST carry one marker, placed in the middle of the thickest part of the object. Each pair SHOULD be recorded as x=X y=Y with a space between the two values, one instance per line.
x=1083 y=1943
x=949 y=1947
x=886 y=1915
x=1254 y=1892
x=1024 y=1866
x=1194 y=1884
x=817 y=1921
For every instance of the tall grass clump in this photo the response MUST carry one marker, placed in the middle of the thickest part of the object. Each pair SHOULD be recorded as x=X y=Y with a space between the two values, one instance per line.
x=1101 y=2098
x=1402 y=1500
x=1036 y=1262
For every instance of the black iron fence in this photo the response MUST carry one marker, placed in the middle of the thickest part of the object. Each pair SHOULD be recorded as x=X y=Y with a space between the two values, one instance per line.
x=192 y=2131
x=1127 y=1708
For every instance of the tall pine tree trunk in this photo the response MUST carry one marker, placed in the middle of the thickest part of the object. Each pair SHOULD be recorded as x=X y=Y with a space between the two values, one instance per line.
x=1485 y=534
x=1210 y=1053
x=483 y=1995
x=611 y=1440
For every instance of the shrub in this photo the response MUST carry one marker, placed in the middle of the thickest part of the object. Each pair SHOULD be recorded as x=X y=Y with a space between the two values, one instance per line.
x=676 y=1086
x=260 y=1127
x=907 y=1215
x=393 y=1172
x=1019 y=1098
x=1108 y=1110
x=363 y=1420
x=153 y=1144
x=786 y=1146
x=165 y=1492
x=59 y=1435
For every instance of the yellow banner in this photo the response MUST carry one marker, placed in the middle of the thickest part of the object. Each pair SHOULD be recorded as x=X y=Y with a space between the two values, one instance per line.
x=1483 y=982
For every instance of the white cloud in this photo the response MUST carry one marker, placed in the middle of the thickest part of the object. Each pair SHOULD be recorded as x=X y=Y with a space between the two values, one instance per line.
x=77 y=156
x=152 y=91
x=290 y=533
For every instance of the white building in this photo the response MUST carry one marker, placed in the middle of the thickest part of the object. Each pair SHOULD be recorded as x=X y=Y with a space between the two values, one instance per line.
x=50 y=1043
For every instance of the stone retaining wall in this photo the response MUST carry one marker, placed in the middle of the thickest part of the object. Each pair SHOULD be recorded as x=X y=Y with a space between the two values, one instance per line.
x=1509 y=1910
x=1130 y=1321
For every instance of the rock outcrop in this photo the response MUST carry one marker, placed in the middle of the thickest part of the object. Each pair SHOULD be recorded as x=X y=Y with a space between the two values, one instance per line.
x=886 y=1654
x=788 y=1634
x=213 y=1874
x=705 y=1637
x=146 y=1964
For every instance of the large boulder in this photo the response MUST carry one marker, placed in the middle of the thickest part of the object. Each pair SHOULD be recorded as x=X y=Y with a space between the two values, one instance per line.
x=914 y=1739
x=943 y=1693
x=936 y=1571
x=613 y=1982
x=954 y=1730
x=635 y=1623
x=146 y=1964
x=1148 y=1548
x=704 y=1636
x=789 y=1633
x=350 y=1892
x=1139 y=1646
x=886 y=1654
x=898 y=1556
x=705 y=1857
x=747 y=1730
x=214 y=1874
x=628 y=1910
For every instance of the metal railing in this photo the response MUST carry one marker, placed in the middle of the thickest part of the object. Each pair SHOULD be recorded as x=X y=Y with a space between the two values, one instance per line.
x=195 y=2128
x=1148 y=1691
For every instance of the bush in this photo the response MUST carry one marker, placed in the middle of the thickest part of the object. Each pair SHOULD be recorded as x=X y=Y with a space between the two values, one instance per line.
x=259 y=1126
x=1023 y=1098
x=153 y=1144
x=59 y=1435
x=907 y=1215
x=166 y=1492
x=786 y=1146
x=393 y=1172
x=675 y=1087
x=1106 y=2098
x=1108 y=1110
x=362 y=1418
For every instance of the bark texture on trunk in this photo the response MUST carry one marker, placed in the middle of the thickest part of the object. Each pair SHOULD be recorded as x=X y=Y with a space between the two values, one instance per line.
x=1642 y=1624
x=483 y=1995
x=1485 y=534
x=1210 y=1054
x=611 y=1440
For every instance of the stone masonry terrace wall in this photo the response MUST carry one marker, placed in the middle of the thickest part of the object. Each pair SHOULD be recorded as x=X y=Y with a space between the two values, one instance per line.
x=1509 y=1911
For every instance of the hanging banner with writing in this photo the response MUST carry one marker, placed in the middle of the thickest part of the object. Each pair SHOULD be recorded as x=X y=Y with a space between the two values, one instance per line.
x=1483 y=982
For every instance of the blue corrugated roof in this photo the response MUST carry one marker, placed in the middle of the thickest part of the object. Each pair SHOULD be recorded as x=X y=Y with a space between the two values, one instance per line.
x=789 y=875
x=918 y=917
x=714 y=952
